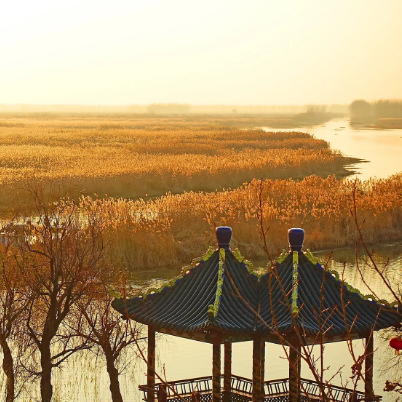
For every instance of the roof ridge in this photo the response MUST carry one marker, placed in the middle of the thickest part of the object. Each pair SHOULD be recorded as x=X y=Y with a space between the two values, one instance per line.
x=213 y=309
x=294 y=305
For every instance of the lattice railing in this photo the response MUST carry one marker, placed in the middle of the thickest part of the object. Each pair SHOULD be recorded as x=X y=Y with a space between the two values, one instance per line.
x=203 y=385
x=333 y=392
x=242 y=389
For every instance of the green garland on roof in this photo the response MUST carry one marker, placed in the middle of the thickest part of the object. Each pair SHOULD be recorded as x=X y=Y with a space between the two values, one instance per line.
x=349 y=287
x=208 y=254
x=369 y=296
x=185 y=271
x=241 y=259
x=283 y=256
x=214 y=308
x=249 y=265
x=238 y=255
x=295 y=307
x=310 y=257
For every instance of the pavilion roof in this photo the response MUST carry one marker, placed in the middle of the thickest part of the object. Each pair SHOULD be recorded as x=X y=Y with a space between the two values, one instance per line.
x=219 y=294
x=318 y=302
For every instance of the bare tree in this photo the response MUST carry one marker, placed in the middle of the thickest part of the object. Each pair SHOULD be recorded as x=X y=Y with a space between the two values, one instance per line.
x=101 y=326
x=316 y=109
x=14 y=299
x=60 y=260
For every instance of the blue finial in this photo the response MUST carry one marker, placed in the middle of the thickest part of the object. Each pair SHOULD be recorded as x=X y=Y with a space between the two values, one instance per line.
x=224 y=235
x=296 y=239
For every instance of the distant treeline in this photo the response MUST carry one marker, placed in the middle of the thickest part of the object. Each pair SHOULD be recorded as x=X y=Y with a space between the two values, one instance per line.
x=384 y=112
x=176 y=108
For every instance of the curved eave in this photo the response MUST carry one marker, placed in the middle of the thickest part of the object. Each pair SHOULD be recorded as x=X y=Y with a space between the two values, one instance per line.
x=344 y=313
x=180 y=306
x=186 y=306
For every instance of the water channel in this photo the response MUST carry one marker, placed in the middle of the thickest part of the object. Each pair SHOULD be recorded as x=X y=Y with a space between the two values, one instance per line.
x=179 y=358
x=382 y=149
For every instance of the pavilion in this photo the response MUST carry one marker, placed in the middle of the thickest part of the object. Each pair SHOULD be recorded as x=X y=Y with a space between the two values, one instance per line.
x=296 y=303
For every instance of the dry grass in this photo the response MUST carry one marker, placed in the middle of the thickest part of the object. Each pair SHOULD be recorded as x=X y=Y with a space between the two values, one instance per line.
x=390 y=123
x=56 y=149
x=148 y=156
x=175 y=228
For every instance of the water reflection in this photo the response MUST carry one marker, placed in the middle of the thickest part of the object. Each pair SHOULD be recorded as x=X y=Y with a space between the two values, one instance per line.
x=380 y=148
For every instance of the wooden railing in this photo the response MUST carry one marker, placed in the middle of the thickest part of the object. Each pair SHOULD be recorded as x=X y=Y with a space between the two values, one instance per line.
x=183 y=387
x=203 y=385
x=200 y=384
x=312 y=389
x=244 y=386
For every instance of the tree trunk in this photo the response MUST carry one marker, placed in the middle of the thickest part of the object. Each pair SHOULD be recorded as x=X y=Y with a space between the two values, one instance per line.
x=8 y=368
x=369 y=364
x=113 y=377
x=46 y=388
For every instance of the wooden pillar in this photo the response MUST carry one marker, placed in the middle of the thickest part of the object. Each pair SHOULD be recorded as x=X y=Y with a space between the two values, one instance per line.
x=151 y=365
x=162 y=393
x=369 y=362
x=294 y=373
x=258 y=370
x=216 y=373
x=262 y=392
x=227 y=379
x=195 y=396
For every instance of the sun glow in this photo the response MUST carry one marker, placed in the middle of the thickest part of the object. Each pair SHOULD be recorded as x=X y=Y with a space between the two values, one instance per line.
x=233 y=52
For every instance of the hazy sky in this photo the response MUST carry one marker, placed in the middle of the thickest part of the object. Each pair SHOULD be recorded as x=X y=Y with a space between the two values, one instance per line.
x=200 y=52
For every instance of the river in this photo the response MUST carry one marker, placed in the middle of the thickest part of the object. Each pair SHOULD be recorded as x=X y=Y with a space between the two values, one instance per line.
x=381 y=149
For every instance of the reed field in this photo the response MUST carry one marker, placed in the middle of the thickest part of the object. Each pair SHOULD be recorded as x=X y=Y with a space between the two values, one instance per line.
x=173 y=229
x=160 y=184
x=144 y=156
x=390 y=123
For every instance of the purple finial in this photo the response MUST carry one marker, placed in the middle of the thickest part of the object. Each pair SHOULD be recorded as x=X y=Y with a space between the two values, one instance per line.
x=224 y=235
x=296 y=239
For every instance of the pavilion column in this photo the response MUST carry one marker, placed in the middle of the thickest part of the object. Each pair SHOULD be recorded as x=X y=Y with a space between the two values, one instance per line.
x=294 y=373
x=216 y=373
x=151 y=365
x=262 y=392
x=369 y=362
x=258 y=369
x=227 y=377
